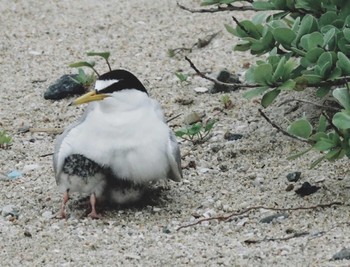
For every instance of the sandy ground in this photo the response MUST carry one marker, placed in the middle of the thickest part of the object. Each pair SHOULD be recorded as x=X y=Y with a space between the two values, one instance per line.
x=40 y=38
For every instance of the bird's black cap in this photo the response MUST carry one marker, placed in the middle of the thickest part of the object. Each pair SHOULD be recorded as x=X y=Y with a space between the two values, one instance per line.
x=117 y=80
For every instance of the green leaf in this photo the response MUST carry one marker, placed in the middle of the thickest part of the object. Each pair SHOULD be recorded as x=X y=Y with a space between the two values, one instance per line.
x=313 y=54
x=263 y=74
x=343 y=63
x=301 y=128
x=342 y=119
x=263 y=5
x=317 y=161
x=322 y=124
x=343 y=97
x=279 y=69
x=255 y=92
x=104 y=55
x=230 y=29
x=209 y=125
x=297 y=155
x=324 y=144
x=195 y=129
x=312 y=78
x=287 y=85
x=269 y=97
x=284 y=36
x=82 y=64
x=322 y=91
x=180 y=133
x=243 y=46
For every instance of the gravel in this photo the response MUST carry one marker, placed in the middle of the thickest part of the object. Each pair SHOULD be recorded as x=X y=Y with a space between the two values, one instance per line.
x=41 y=38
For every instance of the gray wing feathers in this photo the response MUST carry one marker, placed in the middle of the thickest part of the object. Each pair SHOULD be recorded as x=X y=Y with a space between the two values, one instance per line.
x=174 y=156
x=61 y=138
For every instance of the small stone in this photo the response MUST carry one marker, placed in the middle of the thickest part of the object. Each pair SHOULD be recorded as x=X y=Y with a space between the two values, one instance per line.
x=307 y=189
x=216 y=149
x=223 y=168
x=293 y=176
x=232 y=137
x=192 y=118
x=226 y=77
x=27 y=234
x=166 y=230
x=47 y=214
x=14 y=174
x=201 y=90
x=290 y=187
x=184 y=101
x=64 y=87
x=10 y=210
x=344 y=254
x=30 y=167
x=276 y=216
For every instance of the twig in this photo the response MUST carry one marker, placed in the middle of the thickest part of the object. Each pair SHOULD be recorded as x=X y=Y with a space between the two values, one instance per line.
x=173 y=118
x=280 y=129
x=308 y=102
x=295 y=235
x=240 y=25
x=201 y=74
x=218 y=9
x=225 y=218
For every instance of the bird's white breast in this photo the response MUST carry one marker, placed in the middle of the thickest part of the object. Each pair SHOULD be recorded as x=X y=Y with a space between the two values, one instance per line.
x=124 y=133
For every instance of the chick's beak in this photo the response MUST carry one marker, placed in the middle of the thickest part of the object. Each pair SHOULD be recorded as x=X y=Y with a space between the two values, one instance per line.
x=89 y=97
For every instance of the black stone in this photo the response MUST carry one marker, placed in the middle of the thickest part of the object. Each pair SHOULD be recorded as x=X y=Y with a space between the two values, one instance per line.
x=232 y=137
x=226 y=77
x=293 y=176
x=307 y=189
x=64 y=87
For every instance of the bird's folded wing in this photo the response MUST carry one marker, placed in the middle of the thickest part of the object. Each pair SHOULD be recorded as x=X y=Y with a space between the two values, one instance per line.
x=174 y=156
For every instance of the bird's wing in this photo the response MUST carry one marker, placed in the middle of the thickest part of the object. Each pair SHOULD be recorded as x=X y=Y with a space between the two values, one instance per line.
x=174 y=156
x=60 y=140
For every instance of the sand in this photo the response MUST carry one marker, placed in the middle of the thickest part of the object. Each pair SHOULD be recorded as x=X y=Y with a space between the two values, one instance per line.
x=39 y=40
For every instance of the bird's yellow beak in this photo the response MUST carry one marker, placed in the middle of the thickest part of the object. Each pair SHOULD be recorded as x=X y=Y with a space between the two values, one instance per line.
x=89 y=97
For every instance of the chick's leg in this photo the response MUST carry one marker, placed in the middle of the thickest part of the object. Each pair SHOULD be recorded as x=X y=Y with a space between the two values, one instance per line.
x=93 y=214
x=63 y=207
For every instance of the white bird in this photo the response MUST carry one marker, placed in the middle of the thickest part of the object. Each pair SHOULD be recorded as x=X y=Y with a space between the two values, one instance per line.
x=120 y=144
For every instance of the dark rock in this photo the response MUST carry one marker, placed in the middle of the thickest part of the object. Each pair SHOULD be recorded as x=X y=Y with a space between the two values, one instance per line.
x=64 y=87
x=307 y=189
x=290 y=187
x=293 y=176
x=344 y=254
x=276 y=216
x=226 y=77
x=231 y=136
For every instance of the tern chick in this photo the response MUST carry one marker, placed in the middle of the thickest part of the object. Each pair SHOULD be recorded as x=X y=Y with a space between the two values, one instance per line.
x=119 y=145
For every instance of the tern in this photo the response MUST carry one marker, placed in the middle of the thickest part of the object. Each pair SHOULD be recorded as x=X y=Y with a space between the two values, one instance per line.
x=119 y=145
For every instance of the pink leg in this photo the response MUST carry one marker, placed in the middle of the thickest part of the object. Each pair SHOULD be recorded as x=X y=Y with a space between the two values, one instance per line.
x=63 y=207
x=93 y=214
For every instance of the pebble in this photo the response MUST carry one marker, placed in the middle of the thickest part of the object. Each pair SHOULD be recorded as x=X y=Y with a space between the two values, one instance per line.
x=11 y=210
x=201 y=90
x=307 y=189
x=47 y=214
x=30 y=167
x=277 y=216
x=192 y=118
x=344 y=254
x=226 y=77
x=232 y=137
x=64 y=87
x=14 y=174
x=293 y=176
